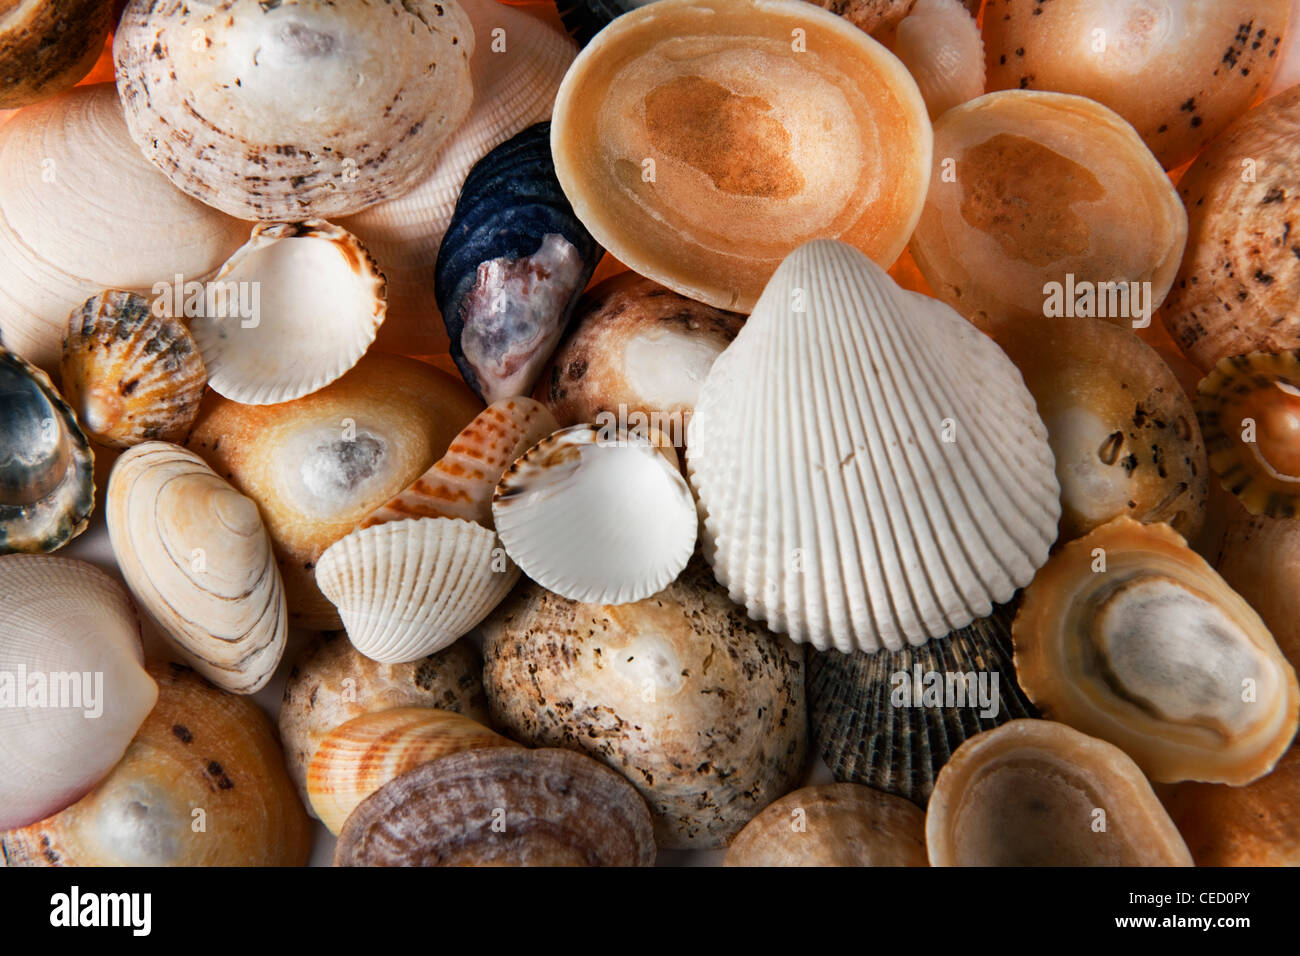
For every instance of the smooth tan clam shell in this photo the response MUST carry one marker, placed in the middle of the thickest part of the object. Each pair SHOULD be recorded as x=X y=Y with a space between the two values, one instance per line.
x=202 y=784
x=317 y=466
x=1036 y=793
x=835 y=824
x=941 y=47
x=292 y=111
x=357 y=758
x=130 y=374
x=1128 y=635
x=195 y=554
x=501 y=806
x=700 y=145
x=1260 y=560
x=46 y=47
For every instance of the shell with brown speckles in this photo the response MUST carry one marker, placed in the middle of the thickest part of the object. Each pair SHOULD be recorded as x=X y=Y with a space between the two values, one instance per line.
x=45 y=48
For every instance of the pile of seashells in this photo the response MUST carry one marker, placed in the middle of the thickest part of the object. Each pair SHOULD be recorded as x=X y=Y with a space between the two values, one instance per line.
x=608 y=428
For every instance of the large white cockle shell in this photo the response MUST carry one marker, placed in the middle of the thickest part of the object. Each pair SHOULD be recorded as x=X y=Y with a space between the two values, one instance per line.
x=69 y=631
x=871 y=468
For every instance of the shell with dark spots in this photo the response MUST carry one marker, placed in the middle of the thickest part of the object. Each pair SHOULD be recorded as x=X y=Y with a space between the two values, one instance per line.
x=48 y=47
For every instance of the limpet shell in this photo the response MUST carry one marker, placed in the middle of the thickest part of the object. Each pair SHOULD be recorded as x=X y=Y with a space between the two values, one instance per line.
x=46 y=48
x=1260 y=560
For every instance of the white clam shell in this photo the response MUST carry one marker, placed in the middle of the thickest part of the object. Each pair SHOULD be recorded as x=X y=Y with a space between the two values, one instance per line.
x=196 y=555
x=299 y=305
x=941 y=47
x=596 y=518
x=871 y=468
x=406 y=589
x=61 y=622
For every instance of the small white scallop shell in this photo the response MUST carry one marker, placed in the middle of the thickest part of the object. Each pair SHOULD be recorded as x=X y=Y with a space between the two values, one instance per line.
x=940 y=45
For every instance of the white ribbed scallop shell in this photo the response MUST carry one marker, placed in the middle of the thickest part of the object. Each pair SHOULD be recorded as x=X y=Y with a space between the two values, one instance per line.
x=835 y=508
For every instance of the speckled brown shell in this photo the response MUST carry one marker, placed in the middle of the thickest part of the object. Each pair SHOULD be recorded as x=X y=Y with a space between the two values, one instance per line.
x=200 y=749
x=835 y=824
x=1123 y=431
x=1237 y=288
x=47 y=47
x=700 y=707
x=331 y=683
x=501 y=806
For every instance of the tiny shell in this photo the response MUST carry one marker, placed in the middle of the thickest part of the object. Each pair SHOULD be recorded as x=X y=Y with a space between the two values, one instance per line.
x=941 y=47
x=561 y=809
x=46 y=48
x=837 y=824
x=131 y=375
x=357 y=758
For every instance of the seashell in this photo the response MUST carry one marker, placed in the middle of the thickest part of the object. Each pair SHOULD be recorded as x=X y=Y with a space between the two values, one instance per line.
x=511 y=267
x=1287 y=72
x=1237 y=288
x=290 y=133
x=357 y=758
x=870 y=15
x=1049 y=188
x=317 y=466
x=638 y=353
x=514 y=88
x=884 y=719
x=69 y=633
x=131 y=374
x=1030 y=793
x=1260 y=560
x=331 y=683
x=317 y=301
x=47 y=484
x=941 y=489
x=1128 y=635
x=199 y=750
x=46 y=48
x=585 y=18
x=700 y=150
x=1179 y=72
x=1122 y=430
x=841 y=824
x=702 y=709
x=562 y=512
x=1255 y=825
x=561 y=809
x=82 y=211
x=406 y=589
x=1249 y=410
x=941 y=47
x=196 y=556
x=461 y=482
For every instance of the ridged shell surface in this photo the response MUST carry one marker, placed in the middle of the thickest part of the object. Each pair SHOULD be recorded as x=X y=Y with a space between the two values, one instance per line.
x=941 y=47
x=871 y=468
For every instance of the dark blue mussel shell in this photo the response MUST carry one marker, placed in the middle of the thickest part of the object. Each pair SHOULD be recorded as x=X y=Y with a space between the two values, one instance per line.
x=585 y=18
x=511 y=267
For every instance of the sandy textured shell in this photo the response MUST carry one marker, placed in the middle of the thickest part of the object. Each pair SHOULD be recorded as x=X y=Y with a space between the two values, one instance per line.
x=331 y=682
x=1153 y=652
x=1255 y=825
x=356 y=759
x=406 y=589
x=596 y=515
x=635 y=348
x=513 y=89
x=196 y=556
x=268 y=119
x=461 y=482
x=317 y=466
x=701 y=708
x=317 y=300
x=1237 y=288
x=836 y=824
x=1031 y=793
x=1249 y=410
x=1260 y=560
x=561 y=809
x=47 y=483
x=847 y=415
x=700 y=152
x=45 y=48
x=59 y=616
x=1122 y=430
x=1041 y=187
x=131 y=374
x=874 y=723
x=941 y=47
x=82 y=211
x=1178 y=71
x=200 y=749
